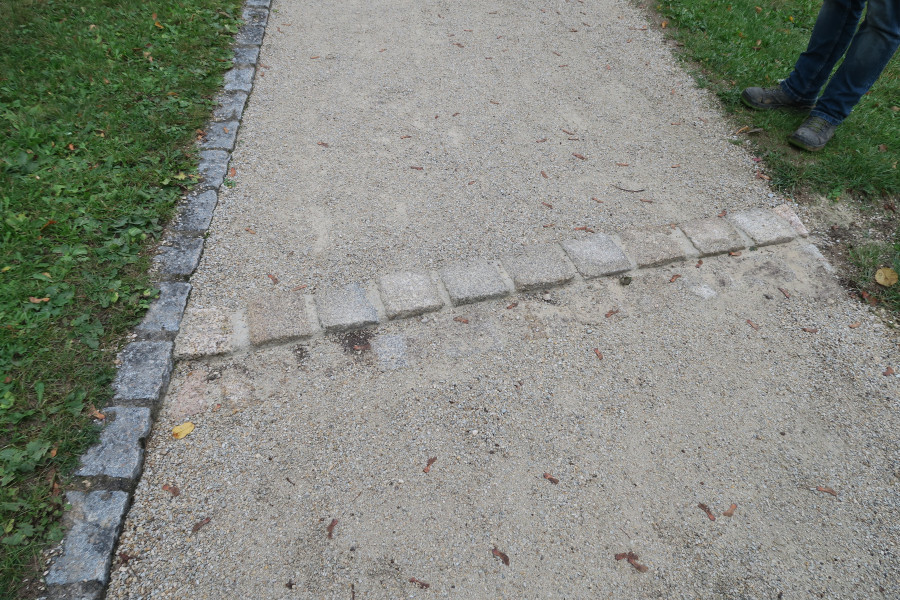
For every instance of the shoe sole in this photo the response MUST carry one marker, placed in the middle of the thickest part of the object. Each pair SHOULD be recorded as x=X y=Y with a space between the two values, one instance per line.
x=756 y=106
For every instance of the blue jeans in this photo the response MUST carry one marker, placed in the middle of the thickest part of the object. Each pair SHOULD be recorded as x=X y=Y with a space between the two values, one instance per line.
x=868 y=51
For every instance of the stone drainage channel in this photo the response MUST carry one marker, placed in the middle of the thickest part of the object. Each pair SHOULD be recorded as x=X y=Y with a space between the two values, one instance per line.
x=110 y=470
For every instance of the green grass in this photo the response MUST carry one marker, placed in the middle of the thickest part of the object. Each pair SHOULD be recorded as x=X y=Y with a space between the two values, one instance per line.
x=729 y=46
x=100 y=102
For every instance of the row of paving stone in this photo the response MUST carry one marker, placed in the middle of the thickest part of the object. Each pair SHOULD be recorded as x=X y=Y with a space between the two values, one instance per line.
x=279 y=316
x=110 y=470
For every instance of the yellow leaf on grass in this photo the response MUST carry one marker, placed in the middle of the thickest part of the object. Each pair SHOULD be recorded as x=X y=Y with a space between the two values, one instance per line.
x=182 y=430
x=886 y=276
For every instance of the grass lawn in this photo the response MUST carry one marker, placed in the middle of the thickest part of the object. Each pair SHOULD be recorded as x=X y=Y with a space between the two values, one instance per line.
x=729 y=46
x=100 y=103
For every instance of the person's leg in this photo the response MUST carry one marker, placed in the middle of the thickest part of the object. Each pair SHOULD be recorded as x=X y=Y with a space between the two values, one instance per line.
x=832 y=33
x=869 y=53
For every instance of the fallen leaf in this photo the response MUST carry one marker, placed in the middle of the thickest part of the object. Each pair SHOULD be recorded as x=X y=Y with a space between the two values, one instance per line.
x=314 y=57
x=888 y=372
x=323 y=144
x=416 y=168
x=612 y=312
x=461 y=320
x=621 y=164
x=34 y=300
x=785 y=292
x=157 y=24
x=172 y=489
x=250 y=231
x=544 y=175
x=730 y=511
x=455 y=114
x=180 y=431
x=404 y=137
x=597 y=200
x=272 y=277
x=566 y=131
x=494 y=102
x=431 y=461
x=734 y=254
x=647 y=201
x=752 y=324
x=298 y=288
x=827 y=490
x=420 y=583
x=763 y=176
x=556 y=53
x=699 y=263
x=551 y=478
x=708 y=512
x=882 y=147
x=540 y=141
x=200 y=525
x=96 y=414
x=675 y=277
x=330 y=528
x=54 y=450
x=576 y=155
x=547 y=204
x=598 y=353
x=722 y=214
x=810 y=330
x=886 y=276
x=584 y=228
x=471 y=182
x=854 y=325
x=664 y=24
x=675 y=166
x=513 y=305
x=500 y=555
x=631 y=557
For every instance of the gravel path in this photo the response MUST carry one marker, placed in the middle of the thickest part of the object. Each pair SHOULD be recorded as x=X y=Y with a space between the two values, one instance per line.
x=568 y=426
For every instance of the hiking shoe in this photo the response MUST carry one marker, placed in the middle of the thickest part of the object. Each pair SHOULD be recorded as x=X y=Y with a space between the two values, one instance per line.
x=813 y=134
x=767 y=98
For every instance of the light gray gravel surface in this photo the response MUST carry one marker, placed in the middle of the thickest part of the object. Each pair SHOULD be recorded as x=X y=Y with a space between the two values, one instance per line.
x=351 y=96
x=639 y=402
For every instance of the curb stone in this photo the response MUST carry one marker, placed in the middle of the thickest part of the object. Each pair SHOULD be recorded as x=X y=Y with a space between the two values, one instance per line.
x=95 y=518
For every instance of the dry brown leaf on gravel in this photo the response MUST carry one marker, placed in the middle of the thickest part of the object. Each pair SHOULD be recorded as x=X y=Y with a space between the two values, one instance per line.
x=330 y=528
x=753 y=325
x=566 y=131
x=462 y=320
x=180 y=431
x=323 y=144
x=544 y=175
x=734 y=254
x=96 y=414
x=854 y=325
x=785 y=292
x=647 y=201
x=598 y=353
x=430 y=462
x=420 y=583
x=172 y=489
x=579 y=156
x=540 y=141
x=615 y=311
x=232 y=172
x=549 y=225
x=675 y=277
x=827 y=490
x=632 y=558
x=597 y=200
x=730 y=511
x=405 y=137
x=811 y=330
x=512 y=305
x=888 y=372
x=547 y=204
x=272 y=277
x=708 y=512
x=500 y=555
x=416 y=168
x=722 y=214
x=198 y=526
x=886 y=276
x=584 y=228
x=621 y=164
x=551 y=478
x=250 y=231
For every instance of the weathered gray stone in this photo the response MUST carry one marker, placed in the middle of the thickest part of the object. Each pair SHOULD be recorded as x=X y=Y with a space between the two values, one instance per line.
x=346 y=307
x=713 y=236
x=83 y=590
x=255 y=15
x=95 y=521
x=181 y=258
x=120 y=452
x=538 y=266
x=165 y=313
x=197 y=211
x=220 y=135
x=204 y=332
x=657 y=246
x=597 y=256
x=407 y=294
x=391 y=351
x=239 y=79
x=258 y=3
x=279 y=316
x=213 y=164
x=787 y=213
x=763 y=226
x=473 y=281
x=251 y=34
x=144 y=371
x=230 y=107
